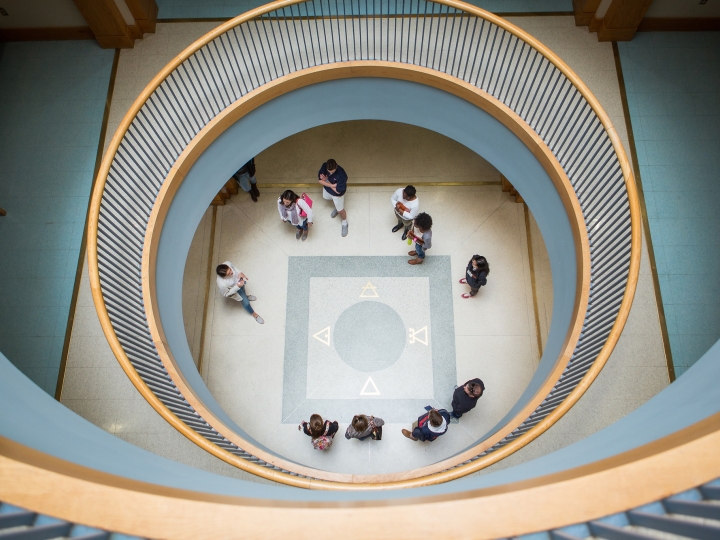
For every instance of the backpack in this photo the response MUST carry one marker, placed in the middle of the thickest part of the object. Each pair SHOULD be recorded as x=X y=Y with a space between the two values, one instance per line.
x=322 y=443
x=303 y=214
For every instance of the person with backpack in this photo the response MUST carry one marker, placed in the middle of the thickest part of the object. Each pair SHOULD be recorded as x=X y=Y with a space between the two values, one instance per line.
x=363 y=427
x=245 y=177
x=322 y=432
x=297 y=211
x=429 y=426
x=334 y=179
x=475 y=275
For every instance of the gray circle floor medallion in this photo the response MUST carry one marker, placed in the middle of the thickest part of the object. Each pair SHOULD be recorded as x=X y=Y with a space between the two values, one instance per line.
x=369 y=336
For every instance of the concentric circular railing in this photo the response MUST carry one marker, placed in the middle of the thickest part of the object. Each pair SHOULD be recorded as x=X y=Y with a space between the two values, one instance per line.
x=462 y=45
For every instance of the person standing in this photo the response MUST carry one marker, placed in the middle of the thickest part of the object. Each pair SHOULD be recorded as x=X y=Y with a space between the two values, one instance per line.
x=334 y=179
x=475 y=275
x=405 y=203
x=322 y=432
x=465 y=397
x=245 y=177
x=231 y=283
x=422 y=235
x=429 y=426
x=291 y=208
x=363 y=427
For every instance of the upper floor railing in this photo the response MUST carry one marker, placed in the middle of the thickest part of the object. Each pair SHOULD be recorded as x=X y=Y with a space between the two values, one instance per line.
x=458 y=45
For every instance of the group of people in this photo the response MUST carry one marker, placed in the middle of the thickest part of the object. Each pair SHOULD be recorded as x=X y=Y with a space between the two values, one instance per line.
x=428 y=427
x=297 y=210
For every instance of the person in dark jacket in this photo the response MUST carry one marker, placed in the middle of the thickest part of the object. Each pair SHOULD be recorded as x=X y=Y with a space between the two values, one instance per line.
x=465 y=397
x=475 y=275
x=334 y=179
x=363 y=427
x=245 y=177
x=322 y=432
x=429 y=426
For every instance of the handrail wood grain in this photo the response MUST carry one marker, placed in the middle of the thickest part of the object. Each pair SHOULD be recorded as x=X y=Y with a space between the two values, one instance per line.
x=670 y=465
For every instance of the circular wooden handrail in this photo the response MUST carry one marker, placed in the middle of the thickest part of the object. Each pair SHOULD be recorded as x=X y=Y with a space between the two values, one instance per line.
x=435 y=473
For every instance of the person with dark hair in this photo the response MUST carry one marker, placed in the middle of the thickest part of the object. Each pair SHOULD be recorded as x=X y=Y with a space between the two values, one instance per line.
x=465 y=397
x=429 y=426
x=363 y=427
x=245 y=177
x=422 y=235
x=334 y=179
x=231 y=283
x=405 y=203
x=296 y=211
x=475 y=275
x=322 y=432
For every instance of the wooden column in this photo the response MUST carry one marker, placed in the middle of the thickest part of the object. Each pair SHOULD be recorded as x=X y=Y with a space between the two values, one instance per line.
x=107 y=23
x=622 y=20
x=584 y=11
x=145 y=14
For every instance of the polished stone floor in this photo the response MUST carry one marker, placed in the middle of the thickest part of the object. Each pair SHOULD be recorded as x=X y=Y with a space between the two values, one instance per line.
x=311 y=354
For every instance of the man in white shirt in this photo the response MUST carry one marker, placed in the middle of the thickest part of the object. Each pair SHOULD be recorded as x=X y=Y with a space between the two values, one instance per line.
x=406 y=205
x=231 y=283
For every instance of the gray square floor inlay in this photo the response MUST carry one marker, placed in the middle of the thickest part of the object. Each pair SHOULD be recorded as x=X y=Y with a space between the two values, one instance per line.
x=367 y=334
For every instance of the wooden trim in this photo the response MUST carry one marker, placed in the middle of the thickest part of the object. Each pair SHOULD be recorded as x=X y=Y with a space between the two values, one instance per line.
x=145 y=14
x=60 y=33
x=107 y=23
x=679 y=24
x=83 y=243
x=621 y=20
x=584 y=11
x=424 y=475
x=645 y=221
x=533 y=284
x=208 y=279
x=449 y=83
x=51 y=486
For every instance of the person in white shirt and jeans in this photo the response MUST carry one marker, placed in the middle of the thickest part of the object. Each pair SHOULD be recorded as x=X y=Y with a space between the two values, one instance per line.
x=406 y=205
x=231 y=283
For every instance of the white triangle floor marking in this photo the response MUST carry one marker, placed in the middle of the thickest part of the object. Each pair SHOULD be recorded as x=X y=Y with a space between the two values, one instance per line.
x=366 y=392
x=369 y=291
x=323 y=336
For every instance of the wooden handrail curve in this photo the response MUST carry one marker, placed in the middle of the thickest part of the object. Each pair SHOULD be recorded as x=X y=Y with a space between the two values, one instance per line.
x=448 y=469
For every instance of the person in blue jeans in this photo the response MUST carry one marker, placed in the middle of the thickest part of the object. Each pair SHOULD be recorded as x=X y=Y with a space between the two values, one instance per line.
x=422 y=235
x=231 y=283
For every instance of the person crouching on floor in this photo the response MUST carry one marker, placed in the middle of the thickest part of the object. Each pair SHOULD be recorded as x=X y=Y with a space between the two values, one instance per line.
x=231 y=283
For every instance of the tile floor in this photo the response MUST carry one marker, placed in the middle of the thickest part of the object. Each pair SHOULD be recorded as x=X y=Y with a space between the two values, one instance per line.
x=494 y=337
x=53 y=96
x=673 y=89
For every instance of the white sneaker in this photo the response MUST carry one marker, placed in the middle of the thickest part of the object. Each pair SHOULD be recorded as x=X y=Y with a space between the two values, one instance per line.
x=344 y=230
x=251 y=298
x=334 y=213
x=260 y=320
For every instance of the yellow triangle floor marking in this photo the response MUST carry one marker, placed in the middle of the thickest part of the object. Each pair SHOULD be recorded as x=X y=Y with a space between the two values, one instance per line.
x=366 y=391
x=369 y=291
x=415 y=336
x=323 y=336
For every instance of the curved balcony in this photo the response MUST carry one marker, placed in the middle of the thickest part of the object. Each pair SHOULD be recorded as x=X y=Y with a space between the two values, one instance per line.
x=244 y=66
